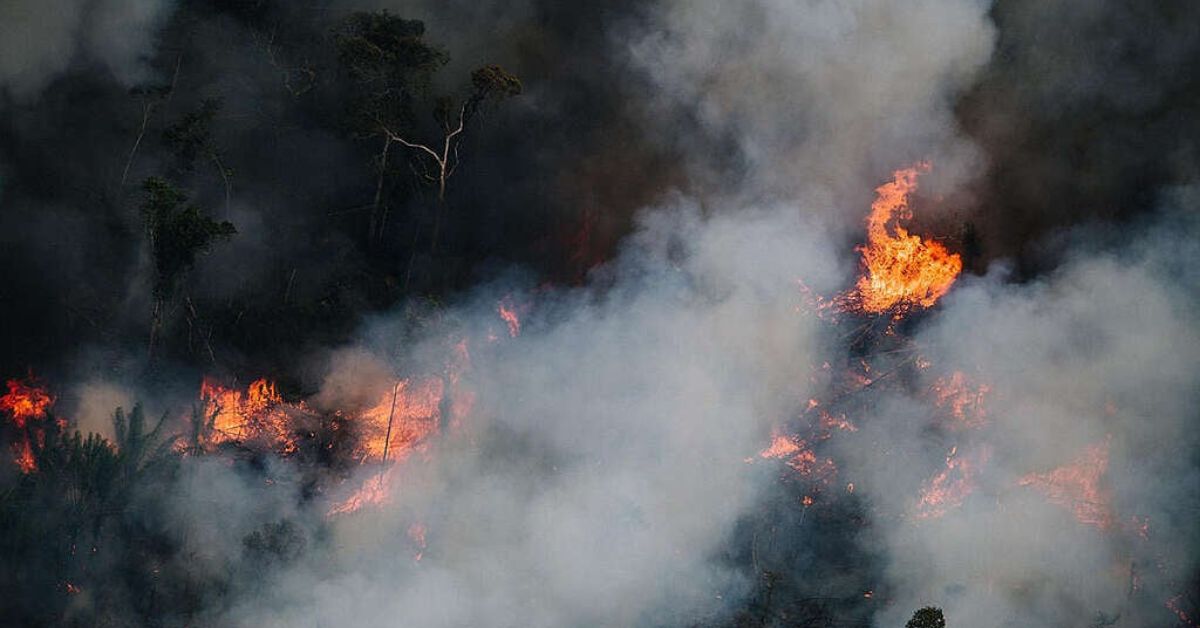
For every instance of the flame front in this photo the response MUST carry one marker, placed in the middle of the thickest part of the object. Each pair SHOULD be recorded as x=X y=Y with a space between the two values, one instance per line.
x=900 y=270
x=950 y=487
x=1077 y=486
x=962 y=400
x=413 y=411
x=258 y=413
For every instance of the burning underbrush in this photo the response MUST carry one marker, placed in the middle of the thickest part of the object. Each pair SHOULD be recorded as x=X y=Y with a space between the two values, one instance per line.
x=689 y=433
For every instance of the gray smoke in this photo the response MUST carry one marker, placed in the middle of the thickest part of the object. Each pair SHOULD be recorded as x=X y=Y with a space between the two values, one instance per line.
x=815 y=100
x=39 y=40
x=602 y=474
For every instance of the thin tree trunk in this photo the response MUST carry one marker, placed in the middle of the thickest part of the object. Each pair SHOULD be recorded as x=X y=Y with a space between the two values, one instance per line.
x=155 y=323
x=374 y=229
x=147 y=107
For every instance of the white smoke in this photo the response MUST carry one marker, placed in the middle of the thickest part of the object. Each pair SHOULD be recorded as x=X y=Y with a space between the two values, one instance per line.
x=604 y=473
x=608 y=469
x=820 y=99
x=1104 y=350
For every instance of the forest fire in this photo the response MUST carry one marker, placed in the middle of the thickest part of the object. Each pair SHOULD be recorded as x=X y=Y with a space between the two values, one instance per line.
x=1078 y=486
x=26 y=403
x=233 y=416
x=403 y=419
x=508 y=313
x=900 y=270
x=962 y=400
x=797 y=454
x=375 y=491
x=664 y=313
x=948 y=489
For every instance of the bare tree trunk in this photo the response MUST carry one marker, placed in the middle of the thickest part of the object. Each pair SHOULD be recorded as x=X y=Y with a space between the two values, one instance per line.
x=147 y=107
x=375 y=228
x=155 y=324
x=224 y=178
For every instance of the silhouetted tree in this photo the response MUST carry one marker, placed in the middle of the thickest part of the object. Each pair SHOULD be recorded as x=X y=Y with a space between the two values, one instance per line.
x=177 y=233
x=390 y=66
x=191 y=139
x=928 y=617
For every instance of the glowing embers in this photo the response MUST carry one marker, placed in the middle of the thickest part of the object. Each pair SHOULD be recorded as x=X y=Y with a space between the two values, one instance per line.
x=900 y=270
x=233 y=416
x=1077 y=486
x=949 y=488
x=961 y=401
x=508 y=312
x=375 y=491
x=798 y=454
x=26 y=405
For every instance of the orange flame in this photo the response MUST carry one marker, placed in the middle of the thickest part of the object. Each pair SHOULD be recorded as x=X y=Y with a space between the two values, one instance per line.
x=796 y=454
x=25 y=401
x=508 y=312
x=258 y=413
x=24 y=457
x=416 y=534
x=962 y=400
x=1077 y=486
x=373 y=492
x=900 y=270
x=781 y=447
x=950 y=487
x=1172 y=605
x=414 y=410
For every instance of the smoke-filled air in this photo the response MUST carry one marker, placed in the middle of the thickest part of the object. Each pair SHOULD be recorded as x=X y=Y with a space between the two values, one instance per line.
x=646 y=313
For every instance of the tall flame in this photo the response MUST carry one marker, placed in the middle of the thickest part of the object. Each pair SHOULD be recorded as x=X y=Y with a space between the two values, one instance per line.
x=900 y=270
x=25 y=402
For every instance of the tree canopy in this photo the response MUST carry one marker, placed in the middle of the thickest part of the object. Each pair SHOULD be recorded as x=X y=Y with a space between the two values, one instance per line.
x=928 y=617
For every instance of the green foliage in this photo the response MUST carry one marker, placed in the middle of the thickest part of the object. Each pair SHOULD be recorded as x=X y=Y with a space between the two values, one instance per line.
x=493 y=81
x=490 y=84
x=390 y=65
x=72 y=521
x=191 y=137
x=177 y=232
x=928 y=617
x=139 y=449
